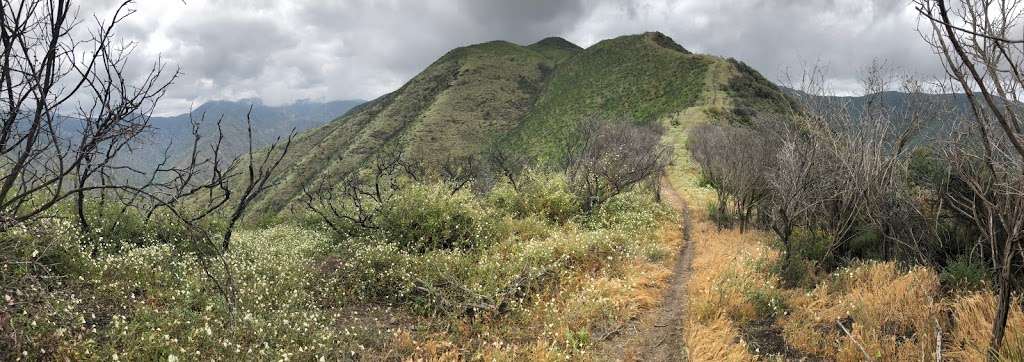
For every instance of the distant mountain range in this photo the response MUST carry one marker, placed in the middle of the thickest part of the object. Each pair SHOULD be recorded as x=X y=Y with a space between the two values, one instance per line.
x=174 y=133
x=940 y=112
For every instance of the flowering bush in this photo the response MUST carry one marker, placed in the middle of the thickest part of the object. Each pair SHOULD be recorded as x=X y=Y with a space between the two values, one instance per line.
x=424 y=218
x=290 y=292
x=542 y=195
x=629 y=211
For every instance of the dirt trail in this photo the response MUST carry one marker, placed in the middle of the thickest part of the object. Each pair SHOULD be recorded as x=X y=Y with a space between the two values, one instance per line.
x=657 y=334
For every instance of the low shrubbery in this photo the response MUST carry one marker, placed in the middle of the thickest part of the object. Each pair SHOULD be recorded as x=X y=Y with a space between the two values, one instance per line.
x=496 y=276
x=629 y=211
x=425 y=218
x=155 y=302
x=965 y=274
x=285 y=291
x=545 y=196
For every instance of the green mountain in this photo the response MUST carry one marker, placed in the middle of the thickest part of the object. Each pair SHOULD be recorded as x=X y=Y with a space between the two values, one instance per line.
x=530 y=99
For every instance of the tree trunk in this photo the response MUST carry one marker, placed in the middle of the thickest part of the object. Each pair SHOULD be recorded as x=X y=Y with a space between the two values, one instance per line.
x=789 y=251
x=1003 y=311
x=745 y=218
x=656 y=185
x=721 y=210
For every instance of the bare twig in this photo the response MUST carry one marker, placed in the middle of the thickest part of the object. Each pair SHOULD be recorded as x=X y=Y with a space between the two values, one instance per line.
x=860 y=346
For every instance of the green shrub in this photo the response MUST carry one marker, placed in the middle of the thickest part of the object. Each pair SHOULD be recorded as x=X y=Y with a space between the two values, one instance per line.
x=632 y=210
x=527 y=228
x=797 y=272
x=40 y=248
x=114 y=229
x=866 y=244
x=965 y=273
x=808 y=244
x=722 y=218
x=542 y=195
x=808 y=249
x=504 y=273
x=373 y=270
x=425 y=218
x=576 y=341
x=768 y=302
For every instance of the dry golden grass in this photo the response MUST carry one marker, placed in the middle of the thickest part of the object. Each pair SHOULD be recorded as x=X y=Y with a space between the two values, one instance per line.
x=889 y=313
x=896 y=315
x=726 y=272
x=715 y=340
x=725 y=275
x=972 y=328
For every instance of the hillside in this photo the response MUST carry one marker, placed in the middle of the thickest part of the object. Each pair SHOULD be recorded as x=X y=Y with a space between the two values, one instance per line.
x=527 y=98
x=942 y=111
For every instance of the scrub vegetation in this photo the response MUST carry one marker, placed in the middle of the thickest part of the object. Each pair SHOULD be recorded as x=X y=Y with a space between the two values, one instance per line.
x=507 y=204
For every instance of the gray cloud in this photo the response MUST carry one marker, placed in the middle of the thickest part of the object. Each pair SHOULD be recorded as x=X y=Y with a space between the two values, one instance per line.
x=282 y=51
x=776 y=36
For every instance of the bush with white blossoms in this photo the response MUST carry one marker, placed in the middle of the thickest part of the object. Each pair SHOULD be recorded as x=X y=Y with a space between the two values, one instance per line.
x=293 y=292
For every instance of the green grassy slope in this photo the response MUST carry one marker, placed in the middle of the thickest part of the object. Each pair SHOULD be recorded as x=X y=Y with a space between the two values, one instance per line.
x=494 y=86
x=642 y=78
x=637 y=77
x=454 y=107
x=555 y=48
x=528 y=98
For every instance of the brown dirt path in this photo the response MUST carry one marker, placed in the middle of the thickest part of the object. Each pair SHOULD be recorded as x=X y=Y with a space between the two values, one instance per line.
x=657 y=334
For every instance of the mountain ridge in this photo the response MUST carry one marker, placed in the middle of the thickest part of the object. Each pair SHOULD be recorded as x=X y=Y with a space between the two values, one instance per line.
x=173 y=134
x=530 y=99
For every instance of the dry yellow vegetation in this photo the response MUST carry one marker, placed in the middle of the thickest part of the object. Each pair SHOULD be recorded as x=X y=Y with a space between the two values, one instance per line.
x=723 y=273
x=890 y=312
x=566 y=321
x=970 y=335
x=867 y=311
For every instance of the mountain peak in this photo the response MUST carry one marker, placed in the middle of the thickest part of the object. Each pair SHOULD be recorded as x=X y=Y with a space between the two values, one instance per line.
x=557 y=42
x=664 y=41
x=650 y=40
x=555 y=48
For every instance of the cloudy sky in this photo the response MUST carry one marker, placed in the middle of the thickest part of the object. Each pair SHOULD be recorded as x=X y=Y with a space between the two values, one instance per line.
x=282 y=51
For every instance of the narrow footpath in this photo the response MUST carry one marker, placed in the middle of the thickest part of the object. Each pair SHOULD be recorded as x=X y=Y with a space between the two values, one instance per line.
x=657 y=334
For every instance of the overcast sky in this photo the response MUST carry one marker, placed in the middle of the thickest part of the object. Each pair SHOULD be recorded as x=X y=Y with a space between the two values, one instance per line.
x=282 y=51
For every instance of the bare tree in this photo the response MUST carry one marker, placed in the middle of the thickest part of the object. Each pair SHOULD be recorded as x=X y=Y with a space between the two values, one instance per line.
x=70 y=105
x=259 y=172
x=706 y=144
x=352 y=204
x=863 y=151
x=993 y=202
x=459 y=171
x=735 y=161
x=506 y=163
x=754 y=152
x=794 y=181
x=975 y=42
x=613 y=157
